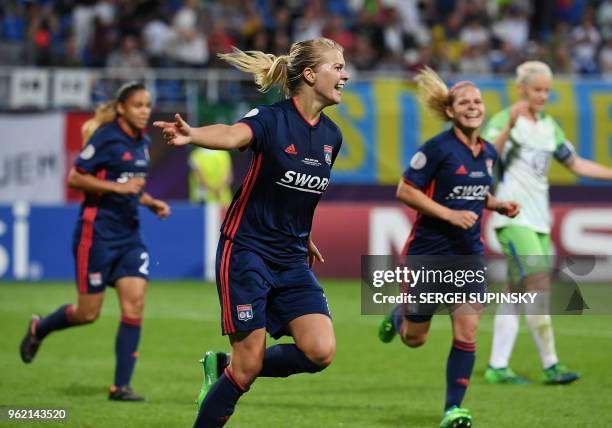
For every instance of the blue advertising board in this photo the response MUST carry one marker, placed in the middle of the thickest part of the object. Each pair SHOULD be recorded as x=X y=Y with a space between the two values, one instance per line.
x=36 y=241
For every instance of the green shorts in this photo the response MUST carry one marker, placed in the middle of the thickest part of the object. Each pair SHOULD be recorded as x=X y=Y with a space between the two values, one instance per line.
x=527 y=251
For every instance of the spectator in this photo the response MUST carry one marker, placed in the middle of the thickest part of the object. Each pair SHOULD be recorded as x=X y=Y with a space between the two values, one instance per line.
x=335 y=29
x=393 y=32
x=102 y=41
x=605 y=58
x=69 y=56
x=513 y=28
x=604 y=18
x=189 y=45
x=505 y=59
x=220 y=39
x=363 y=56
x=127 y=55
x=43 y=26
x=559 y=48
x=585 y=41
x=475 y=35
x=474 y=61
x=309 y=25
x=156 y=35
x=13 y=23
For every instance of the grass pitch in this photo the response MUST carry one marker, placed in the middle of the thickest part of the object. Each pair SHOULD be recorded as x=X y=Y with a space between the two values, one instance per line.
x=369 y=385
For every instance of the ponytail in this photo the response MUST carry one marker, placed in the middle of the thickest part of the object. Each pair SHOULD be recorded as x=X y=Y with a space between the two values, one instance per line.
x=434 y=93
x=268 y=69
x=105 y=113
x=285 y=70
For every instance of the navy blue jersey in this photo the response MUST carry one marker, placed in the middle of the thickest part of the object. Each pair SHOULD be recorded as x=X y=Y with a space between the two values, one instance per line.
x=447 y=171
x=113 y=153
x=272 y=211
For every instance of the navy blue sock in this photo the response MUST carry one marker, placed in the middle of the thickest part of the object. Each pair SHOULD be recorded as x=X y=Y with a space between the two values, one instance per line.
x=220 y=401
x=397 y=318
x=58 y=320
x=458 y=371
x=285 y=360
x=126 y=345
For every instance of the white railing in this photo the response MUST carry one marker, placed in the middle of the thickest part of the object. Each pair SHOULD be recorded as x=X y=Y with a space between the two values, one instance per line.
x=31 y=89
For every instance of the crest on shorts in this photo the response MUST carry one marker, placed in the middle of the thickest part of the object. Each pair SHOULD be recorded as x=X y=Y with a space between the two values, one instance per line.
x=327 y=151
x=95 y=279
x=245 y=312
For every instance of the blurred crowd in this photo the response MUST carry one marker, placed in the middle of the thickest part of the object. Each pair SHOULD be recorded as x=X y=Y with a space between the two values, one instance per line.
x=479 y=37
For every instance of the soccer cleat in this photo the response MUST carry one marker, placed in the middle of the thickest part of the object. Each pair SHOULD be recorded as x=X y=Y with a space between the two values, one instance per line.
x=559 y=375
x=30 y=343
x=456 y=417
x=124 y=393
x=386 y=329
x=504 y=376
x=213 y=363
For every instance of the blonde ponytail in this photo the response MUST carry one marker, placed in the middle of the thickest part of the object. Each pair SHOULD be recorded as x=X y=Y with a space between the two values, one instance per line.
x=433 y=92
x=268 y=69
x=105 y=113
x=285 y=70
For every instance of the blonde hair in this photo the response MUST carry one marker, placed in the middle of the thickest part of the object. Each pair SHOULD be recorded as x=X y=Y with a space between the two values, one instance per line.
x=434 y=93
x=284 y=70
x=107 y=111
x=527 y=70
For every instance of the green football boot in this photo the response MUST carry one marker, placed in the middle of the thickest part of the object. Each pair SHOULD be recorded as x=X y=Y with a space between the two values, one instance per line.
x=213 y=364
x=456 y=417
x=504 y=376
x=559 y=375
x=386 y=329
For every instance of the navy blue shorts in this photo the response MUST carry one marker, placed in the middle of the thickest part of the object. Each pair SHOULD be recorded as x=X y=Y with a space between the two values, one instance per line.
x=101 y=262
x=255 y=293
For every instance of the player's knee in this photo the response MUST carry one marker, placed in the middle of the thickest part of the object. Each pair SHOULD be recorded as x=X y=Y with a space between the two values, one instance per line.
x=86 y=317
x=414 y=341
x=321 y=356
x=136 y=308
x=467 y=332
x=467 y=335
x=538 y=321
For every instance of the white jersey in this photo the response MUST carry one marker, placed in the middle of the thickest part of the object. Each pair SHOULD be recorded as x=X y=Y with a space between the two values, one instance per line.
x=524 y=167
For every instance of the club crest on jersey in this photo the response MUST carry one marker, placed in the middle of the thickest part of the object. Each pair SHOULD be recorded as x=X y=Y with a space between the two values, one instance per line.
x=95 y=279
x=245 y=312
x=327 y=151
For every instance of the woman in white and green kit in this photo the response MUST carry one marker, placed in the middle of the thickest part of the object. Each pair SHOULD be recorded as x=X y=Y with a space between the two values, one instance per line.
x=526 y=139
